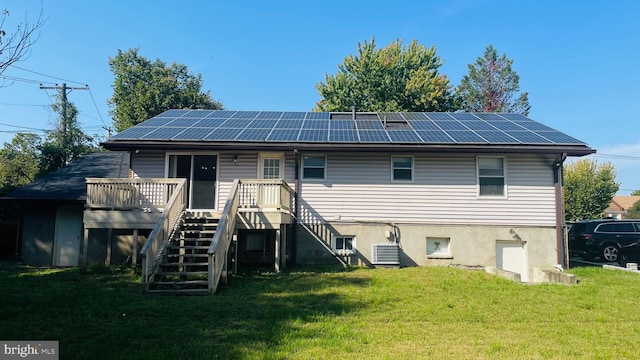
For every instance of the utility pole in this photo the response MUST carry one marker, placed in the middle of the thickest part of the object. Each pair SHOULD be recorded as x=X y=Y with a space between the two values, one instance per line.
x=63 y=95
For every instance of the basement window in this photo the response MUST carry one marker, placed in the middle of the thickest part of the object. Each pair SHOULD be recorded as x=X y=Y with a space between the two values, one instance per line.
x=438 y=248
x=344 y=245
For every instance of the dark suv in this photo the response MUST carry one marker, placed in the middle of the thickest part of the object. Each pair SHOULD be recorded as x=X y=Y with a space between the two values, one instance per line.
x=602 y=238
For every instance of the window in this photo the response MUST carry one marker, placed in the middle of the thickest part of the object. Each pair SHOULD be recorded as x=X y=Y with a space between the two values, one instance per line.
x=313 y=167
x=438 y=248
x=616 y=228
x=491 y=176
x=402 y=168
x=344 y=245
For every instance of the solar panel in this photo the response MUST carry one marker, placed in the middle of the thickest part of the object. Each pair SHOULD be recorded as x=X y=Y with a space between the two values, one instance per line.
x=343 y=135
x=391 y=116
x=342 y=124
x=438 y=116
x=193 y=133
x=262 y=124
x=253 y=134
x=478 y=125
x=489 y=116
x=536 y=126
x=434 y=136
x=163 y=133
x=515 y=117
x=245 y=114
x=158 y=121
x=171 y=113
x=235 y=123
x=313 y=135
x=293 y=115
x=369 y=125
x=559 y=138
x=209 y=123
x=528 y=137
x=373 y=136
x=460 y=136
x=289 y=124
x=134 y=132
x=423 y=125
x=414 y=116
x=183 y=122
x=273 y=115
x=317 y=115
x=223 y=134
x=496 y=136
x=283 y=135
x=194 y=114
x=450 y=125
x=221 y=114
x=404 y=136
x=315 y=125
x=464 y=116
x=506 y=125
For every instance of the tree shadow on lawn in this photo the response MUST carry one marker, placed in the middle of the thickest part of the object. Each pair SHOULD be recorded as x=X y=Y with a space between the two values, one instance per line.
x=103 y=314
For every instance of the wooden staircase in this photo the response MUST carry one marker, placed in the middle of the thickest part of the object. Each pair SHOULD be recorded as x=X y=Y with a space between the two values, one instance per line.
x=184 y=266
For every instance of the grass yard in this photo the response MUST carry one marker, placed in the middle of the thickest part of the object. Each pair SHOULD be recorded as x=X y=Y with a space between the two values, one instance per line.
x=409 y=313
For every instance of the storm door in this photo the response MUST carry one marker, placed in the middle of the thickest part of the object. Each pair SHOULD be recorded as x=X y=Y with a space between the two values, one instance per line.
x=201 y=175
x=270 y=167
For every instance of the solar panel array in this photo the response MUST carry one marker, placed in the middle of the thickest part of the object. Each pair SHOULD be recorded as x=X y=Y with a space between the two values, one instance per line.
x=319 y=127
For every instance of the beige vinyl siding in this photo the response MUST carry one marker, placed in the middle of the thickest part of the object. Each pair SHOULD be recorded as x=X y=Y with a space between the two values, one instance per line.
x=444 y=191
x=148 y=165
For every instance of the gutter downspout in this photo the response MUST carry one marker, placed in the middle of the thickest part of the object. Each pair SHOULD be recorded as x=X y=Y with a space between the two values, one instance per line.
x=561 y=243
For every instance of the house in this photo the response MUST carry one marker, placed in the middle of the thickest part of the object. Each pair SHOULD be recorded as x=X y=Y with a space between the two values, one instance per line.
x=619 y=206
x=51 y=210
x=379 y=189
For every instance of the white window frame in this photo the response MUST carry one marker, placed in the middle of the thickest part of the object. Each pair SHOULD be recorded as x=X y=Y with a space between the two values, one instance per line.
x=504 y=177
x=324 y=168
x=441 y=254
x=413 y=169
x=343 y=251
x=270 y=155
x=192 y=154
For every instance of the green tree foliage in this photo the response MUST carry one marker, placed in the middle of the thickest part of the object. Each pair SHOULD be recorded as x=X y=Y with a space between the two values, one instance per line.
x=492 y=86
x=19 y=161
x=588 y=189
x=636 y=193
x=393 y=78
x=143 y=89
x=66 y=143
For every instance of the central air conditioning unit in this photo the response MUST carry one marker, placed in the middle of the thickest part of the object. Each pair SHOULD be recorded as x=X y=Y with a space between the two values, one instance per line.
x=385 y=254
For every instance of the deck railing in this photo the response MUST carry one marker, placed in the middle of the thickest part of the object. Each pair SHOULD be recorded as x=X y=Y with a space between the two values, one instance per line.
x=265 y=194
x=163 y=232
x=118 y=193
x=222 y=239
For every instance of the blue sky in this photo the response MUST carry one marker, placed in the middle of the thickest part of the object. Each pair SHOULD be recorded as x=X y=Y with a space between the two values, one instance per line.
x=577 y=59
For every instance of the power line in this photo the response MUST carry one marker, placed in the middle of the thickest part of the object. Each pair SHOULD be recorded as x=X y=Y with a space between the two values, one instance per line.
x=49 y=76
x=96 y=105
x=30 y=81
x=613 y=156
x=22 y=127
x=34 y=105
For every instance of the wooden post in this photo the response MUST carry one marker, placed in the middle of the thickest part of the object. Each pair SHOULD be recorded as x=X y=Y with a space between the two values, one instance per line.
x=134 y=252
x=277 y=252
x=107 y=260
x=85 y=251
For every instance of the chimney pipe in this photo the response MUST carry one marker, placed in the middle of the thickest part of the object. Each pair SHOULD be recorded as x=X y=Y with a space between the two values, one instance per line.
x=353 y=112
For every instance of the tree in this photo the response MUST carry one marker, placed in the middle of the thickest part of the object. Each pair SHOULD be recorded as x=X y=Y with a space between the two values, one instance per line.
x=394 y=78
x=143 y=89
x=19 y=161
x=67 y=142
x=636 y=193
x=633 y=212
x=16 y=45
x=588 y=189
x=492 y=86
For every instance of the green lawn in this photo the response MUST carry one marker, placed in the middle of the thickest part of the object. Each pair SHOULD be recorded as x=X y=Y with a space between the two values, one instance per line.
x=434 y=313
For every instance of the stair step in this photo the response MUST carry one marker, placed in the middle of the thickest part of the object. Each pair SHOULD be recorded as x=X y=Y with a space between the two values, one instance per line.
x=181 y=273
x=188 y=247
x=179 y=292
x=186 y=255
x=181 y=283
x=183 y=264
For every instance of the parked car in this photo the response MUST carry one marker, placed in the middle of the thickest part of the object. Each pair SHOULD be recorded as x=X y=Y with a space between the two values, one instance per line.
x=629 y=253
x=602 y=238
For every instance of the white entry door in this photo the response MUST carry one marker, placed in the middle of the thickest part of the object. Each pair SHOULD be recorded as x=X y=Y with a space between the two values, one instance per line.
x=270 y=167
x=66 y=243
x=511 y=256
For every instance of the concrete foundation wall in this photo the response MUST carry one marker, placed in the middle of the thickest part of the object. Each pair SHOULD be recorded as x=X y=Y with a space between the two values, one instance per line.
x=468 y=245
x=38 y=232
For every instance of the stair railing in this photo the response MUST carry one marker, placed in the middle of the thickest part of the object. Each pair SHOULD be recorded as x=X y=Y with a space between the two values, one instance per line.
x=162 y=233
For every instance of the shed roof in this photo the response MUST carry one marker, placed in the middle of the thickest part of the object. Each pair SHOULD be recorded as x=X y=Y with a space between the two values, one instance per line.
x=68 y=183
x=402 y=131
